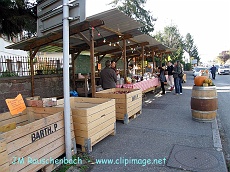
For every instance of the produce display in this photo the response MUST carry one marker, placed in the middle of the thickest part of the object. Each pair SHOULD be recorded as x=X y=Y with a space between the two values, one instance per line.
x=120 y=92
x=207 y=82
x=203 y=81
x=128 y=80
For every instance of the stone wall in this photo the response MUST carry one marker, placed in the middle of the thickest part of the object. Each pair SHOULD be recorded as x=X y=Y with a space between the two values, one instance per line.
x=45 y=86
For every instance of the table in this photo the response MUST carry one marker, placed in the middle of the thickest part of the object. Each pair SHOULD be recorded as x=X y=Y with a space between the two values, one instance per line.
x=144 y=86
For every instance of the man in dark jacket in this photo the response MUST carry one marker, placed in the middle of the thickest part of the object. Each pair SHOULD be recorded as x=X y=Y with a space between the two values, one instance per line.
x=177 y=69
x=170 y=76
x=213 y=71
x=108 y=77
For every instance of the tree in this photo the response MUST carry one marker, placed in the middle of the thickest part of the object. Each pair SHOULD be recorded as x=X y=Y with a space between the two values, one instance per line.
x=17 y=16
x=195 y=54
x=190 y=48
x=188 y=44
x=172 y=38
x=135 y=9
x=224 y=56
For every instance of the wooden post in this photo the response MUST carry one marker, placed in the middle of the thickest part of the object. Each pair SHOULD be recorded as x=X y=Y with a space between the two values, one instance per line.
x=92 y=60
x=32 y=73
x=142 y=59
x=125 y=60
x=32 y=55
x=154 y=63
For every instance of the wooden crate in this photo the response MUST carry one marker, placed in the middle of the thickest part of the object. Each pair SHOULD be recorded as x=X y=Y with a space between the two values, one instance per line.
x=39 y=136
x=127 y=105
x=93 y=119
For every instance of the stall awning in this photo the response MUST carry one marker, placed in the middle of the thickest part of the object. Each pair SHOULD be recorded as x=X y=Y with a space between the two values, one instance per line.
x=113 y=24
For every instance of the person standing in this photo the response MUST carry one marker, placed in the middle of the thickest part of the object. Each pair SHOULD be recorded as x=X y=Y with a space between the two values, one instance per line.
x=177 y=80
x=170 y=76
x=108 y=77
x=162 y=79
x=113 y=65
x=213 y=71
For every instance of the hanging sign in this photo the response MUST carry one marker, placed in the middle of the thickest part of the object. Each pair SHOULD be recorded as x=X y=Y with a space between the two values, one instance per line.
x=16 y=105
x=99 y=66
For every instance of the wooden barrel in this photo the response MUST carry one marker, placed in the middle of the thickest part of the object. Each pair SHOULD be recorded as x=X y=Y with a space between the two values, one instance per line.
x=204 y=103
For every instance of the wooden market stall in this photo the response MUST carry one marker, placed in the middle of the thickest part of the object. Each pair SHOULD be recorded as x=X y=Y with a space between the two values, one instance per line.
x=96 y=35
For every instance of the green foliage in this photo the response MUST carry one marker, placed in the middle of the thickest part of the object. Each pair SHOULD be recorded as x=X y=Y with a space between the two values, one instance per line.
x=172 y=38
x=190 y=48
x=7 y=74
x=194 y=53
x=135 y=9
x=188 y=44
x=17 y=16
x=188 y=66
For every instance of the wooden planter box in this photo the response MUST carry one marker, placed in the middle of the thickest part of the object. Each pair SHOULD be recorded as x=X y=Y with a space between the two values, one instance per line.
x=127 y=105
x=39 y=135
x=93 y=119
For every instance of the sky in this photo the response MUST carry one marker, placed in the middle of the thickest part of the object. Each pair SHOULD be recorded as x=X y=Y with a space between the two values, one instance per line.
x=208 y=21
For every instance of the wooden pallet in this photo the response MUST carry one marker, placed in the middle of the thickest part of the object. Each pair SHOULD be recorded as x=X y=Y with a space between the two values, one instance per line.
x=127 y=118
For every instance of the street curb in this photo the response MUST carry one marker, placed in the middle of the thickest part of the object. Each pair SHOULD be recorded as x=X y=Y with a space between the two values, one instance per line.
x=217 y=141
x=216 y=136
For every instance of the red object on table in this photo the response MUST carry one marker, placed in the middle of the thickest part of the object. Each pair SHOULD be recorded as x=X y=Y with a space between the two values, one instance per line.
x=143 y=85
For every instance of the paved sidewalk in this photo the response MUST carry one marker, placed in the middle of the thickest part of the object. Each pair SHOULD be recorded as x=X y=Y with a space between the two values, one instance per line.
x=166 y=134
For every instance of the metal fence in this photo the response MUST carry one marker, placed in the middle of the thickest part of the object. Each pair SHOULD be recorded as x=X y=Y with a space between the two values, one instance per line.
x=20 y=66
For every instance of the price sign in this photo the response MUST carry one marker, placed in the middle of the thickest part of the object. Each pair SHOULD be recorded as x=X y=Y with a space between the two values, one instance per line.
x=16 y=105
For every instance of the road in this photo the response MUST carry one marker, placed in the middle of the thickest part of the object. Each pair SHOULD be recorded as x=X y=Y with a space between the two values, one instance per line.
x=222 y=83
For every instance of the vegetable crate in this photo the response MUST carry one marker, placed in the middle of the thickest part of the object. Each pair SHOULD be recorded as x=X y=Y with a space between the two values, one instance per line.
x=93 y=120
x=128 y=102
x=32 y=140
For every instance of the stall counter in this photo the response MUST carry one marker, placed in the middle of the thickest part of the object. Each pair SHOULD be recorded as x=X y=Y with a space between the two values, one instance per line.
x=144 y=86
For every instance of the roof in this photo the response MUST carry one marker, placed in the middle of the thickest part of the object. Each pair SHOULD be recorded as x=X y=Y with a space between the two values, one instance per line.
x=110 y=28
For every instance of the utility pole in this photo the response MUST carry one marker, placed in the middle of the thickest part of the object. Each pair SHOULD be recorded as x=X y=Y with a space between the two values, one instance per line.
x=66 y=79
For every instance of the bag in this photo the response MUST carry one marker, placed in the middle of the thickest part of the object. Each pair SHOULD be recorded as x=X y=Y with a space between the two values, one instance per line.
x=181 y=75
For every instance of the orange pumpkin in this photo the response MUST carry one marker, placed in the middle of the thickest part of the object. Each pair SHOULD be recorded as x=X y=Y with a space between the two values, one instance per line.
x=198 y=80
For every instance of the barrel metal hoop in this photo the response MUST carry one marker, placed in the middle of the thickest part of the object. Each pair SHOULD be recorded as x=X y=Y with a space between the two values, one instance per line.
x=204 y=88
x=204 y=111
x=204 y=97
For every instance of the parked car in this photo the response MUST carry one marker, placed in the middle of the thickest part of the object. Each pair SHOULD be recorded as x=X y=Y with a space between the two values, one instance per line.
x=224 y=70
x=199 y=70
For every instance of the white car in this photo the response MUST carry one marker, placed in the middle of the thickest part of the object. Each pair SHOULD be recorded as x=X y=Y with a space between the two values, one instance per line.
x=223 y=70
x=199 y=70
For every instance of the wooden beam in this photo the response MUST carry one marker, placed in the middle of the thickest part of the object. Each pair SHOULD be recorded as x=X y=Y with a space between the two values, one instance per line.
x=142 y=59
x=84 y=38
x=101 y=42
x=100 y=59
x=154 y=63
x=125 y=61
x=93 y=83
x=111 y=30
x=32 y=55
x=118 y=58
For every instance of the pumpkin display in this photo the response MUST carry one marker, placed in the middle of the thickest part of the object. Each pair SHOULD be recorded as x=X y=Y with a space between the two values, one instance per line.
x=199 y=80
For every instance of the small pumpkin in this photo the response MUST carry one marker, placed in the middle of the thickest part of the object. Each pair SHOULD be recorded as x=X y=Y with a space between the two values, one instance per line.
x=199 y=80
x=206 y=81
